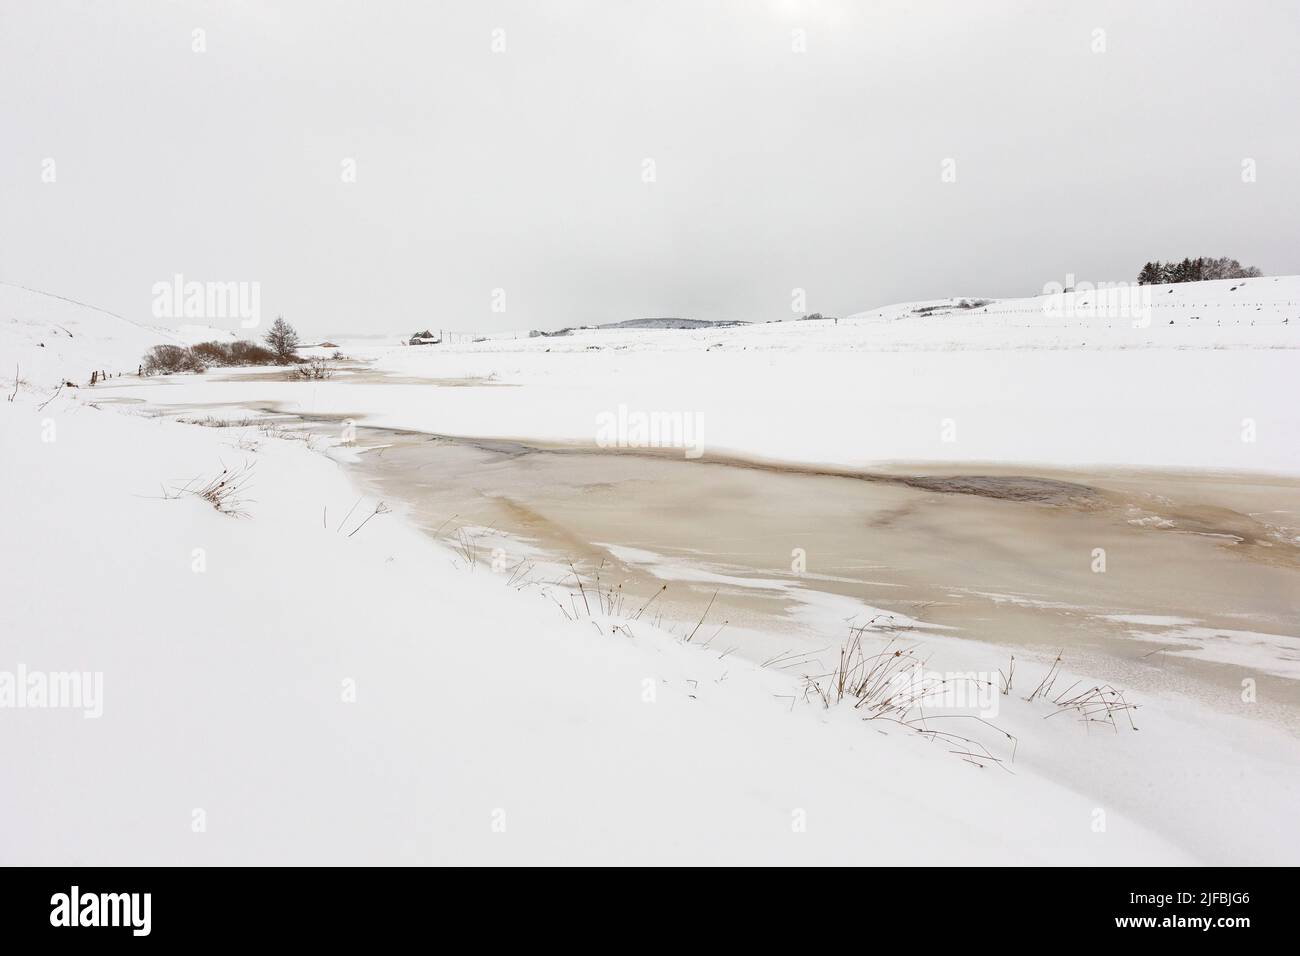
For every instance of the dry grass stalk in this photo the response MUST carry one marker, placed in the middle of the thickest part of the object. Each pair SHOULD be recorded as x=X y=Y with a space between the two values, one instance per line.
x=212 y=421
x=1008 y=676
x=691 y=636
x=467 y=547
x=891 y=685
x=224 y=491
x=380 y=509
x=1049 y=680
x=1099 y=704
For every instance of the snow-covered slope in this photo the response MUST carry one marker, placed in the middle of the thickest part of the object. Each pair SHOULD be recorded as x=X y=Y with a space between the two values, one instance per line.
x=1205 y=381
x=1229 y=313
x=49 y=338
x=1266 y=292
x=194 y=334
x=1193 y=313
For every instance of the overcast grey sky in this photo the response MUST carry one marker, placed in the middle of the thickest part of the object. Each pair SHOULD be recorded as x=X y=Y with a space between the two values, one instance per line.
x=524 y=169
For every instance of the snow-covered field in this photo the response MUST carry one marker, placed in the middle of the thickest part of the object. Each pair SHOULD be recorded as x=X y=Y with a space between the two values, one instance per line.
x=1040 y=380
x=296 y=683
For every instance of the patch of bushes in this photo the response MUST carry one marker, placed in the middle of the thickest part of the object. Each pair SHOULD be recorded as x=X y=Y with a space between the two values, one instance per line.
x=166 y=359
x=209 y=353
x=238 y=352
x=250 y=353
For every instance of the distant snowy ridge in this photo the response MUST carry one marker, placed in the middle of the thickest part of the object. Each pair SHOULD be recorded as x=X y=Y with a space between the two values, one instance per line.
x=1261 y=301
x=50 y=337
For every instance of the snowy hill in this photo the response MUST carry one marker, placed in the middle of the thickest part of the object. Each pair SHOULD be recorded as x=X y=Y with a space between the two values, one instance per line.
x=1049 y=380
x=1209 y=313
x=1230 y=313
x=194 y=334
x=48 y=337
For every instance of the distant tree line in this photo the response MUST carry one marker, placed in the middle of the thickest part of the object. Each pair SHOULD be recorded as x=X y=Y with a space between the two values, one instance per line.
x=1201 y=269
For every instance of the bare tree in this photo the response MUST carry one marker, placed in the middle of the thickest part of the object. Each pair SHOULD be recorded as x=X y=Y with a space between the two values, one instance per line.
x=283 y=339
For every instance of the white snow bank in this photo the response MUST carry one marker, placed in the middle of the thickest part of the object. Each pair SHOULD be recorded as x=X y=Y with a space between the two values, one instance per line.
x=227 y=648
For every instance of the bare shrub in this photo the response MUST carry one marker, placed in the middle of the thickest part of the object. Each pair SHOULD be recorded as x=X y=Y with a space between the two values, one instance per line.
x=212 y=353
x=169 y=359
x=314 y=370
x=225 y=490
x=235 y=353
x=250 y=353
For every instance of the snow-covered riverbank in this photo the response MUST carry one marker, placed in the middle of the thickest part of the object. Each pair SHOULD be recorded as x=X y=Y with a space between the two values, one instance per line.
x=300 y=684
x=299 y=693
